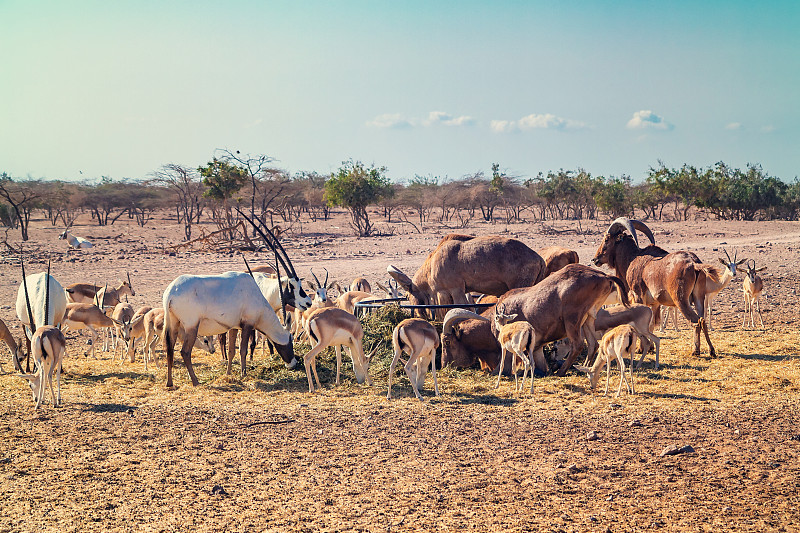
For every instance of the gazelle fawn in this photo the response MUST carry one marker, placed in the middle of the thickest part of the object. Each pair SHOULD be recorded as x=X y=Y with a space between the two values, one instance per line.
x=752 y=287
x=617 y=343
x=419 y=339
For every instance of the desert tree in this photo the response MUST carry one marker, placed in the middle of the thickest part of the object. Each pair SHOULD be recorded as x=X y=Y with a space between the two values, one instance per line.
x=222 y=180
x=355 y=187
x=187 y=188
x=22 y=197
x=107 y=200
x=264 y=186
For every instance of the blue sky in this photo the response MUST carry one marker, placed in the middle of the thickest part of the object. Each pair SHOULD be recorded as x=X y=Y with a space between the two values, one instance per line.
x=98 y=88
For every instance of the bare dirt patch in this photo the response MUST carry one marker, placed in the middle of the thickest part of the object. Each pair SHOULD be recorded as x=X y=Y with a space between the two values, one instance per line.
x=260 y=453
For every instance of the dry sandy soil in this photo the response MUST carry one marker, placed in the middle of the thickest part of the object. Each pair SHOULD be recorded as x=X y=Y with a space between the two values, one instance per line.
x=261 y=454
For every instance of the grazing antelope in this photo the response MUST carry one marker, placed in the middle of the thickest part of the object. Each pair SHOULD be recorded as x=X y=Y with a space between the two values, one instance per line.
x=419 y=339
x=752 y=287
x=47 y=344
x=48 y=347
x=134 y=330
x=154 y=329
x=519 y=338
x=210 y=305
x=109 y=297
x=392 y=289
x=617 y=343
x=122 y=316
x=35 y=290
x=14 y=345
x=638 y=316
x=347 y=301
x=335 y=327
x=89 y=316
x=360 y=284
x=75 y=241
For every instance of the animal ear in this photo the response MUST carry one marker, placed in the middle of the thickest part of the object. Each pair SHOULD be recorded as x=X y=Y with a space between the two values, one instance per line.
x=584 y=369
x=761 y=269
x=513 y=316
x=29 y=377
x=740 y=262
x=400 y=277
x=381 y=287
x=721 y=260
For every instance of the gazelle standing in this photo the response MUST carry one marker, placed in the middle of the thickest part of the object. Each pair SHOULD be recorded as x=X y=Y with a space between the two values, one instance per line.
x=752 y=287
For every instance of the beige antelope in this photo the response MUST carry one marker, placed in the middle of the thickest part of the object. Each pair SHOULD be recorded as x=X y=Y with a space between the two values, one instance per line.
x=16 y=347
x=419 y=339
x=617 y=343
x=519 y=338
x=335 y=327
x=88 y=292
x=348 y=300
x=154 y=328
x=89 y=316
x=360 y=284
x=638 y=316
x=134 y=330
x=122 y=315
x=48 y=347
x=752 y=287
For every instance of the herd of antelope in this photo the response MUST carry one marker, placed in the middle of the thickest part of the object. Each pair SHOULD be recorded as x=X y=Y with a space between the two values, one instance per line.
x=535 y=298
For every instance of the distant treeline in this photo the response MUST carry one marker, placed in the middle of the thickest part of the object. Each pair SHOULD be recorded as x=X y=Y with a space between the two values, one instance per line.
x=250 y=184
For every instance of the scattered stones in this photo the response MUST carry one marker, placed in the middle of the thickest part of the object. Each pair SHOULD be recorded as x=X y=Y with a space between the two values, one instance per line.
x=673 y=449
x=592 y=435
x=634 y=424
x=218 y=490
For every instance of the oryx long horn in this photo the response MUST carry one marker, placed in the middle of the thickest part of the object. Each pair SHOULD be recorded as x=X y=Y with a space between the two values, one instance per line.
x=457 y=315
x=27 y=298
x=248 y=267
x=47 y=296
x=272 y=242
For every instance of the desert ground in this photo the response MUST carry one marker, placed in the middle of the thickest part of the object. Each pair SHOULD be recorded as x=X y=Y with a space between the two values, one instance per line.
x=262 y=454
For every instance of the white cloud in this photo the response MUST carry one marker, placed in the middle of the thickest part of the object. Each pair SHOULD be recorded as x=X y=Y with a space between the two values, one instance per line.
x=435 y=118
x=446 y=119
x=648 y=119
x=390 y=120
x=546 y=121
x=768 y=129
x=503 y=126
x=734 y=126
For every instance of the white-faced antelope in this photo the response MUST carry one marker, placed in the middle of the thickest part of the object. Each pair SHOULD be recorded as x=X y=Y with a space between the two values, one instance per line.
x=210 y=305
x=752 y=287
x=122 y=316
x=335 y=327
x=48 y=345
x=617 y=343
x=74 y=241
x=419 y=339
x=134 y=330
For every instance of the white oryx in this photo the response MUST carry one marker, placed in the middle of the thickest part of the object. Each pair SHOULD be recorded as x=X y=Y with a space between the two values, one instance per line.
x=75 y=241
x=211 y=305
